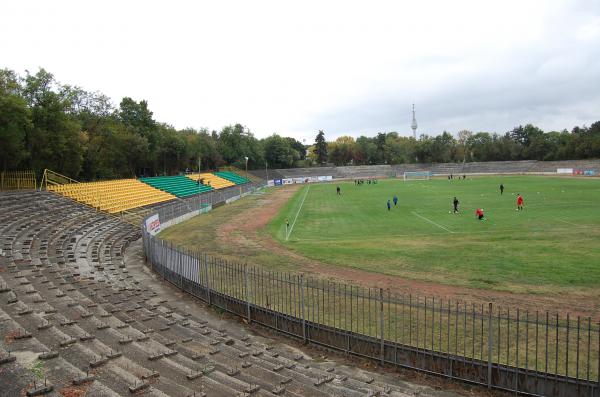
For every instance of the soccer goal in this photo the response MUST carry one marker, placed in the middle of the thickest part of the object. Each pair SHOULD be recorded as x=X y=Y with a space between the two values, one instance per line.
x=417 y=175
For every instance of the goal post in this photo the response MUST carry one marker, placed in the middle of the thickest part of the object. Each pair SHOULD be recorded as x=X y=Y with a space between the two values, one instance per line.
x=417 y=175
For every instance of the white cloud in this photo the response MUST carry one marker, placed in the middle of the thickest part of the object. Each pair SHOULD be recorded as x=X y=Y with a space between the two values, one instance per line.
x=345 y=67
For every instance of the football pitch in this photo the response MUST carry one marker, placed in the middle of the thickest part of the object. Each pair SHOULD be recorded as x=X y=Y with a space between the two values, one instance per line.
x=550 y=246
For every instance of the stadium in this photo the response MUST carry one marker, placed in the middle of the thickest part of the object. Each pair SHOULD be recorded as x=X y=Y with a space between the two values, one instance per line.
x=228 y=283
x=300 y=199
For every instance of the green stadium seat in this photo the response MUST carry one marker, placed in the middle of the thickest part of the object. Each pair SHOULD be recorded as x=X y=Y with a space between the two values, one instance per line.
x=233 y=177
x=179 y=185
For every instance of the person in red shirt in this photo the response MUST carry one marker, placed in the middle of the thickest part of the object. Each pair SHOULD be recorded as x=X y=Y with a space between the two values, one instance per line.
x=519 y=202
x=479 y=214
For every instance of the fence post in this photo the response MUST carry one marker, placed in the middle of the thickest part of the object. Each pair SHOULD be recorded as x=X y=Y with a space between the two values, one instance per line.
x=302 y=307
x=490 y=343
x=180 y=269
x=165 y=258
x=381 y=325
x=247 y=294
x=207 y=280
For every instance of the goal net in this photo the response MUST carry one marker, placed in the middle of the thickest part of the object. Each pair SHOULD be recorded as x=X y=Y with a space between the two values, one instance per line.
x=417 y=175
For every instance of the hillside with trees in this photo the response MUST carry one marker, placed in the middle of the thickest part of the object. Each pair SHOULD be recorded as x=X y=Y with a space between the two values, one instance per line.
x=46 y=124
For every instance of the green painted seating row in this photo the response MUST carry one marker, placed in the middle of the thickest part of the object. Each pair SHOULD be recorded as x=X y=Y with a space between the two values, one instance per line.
x=179 y=185
x=233 y=177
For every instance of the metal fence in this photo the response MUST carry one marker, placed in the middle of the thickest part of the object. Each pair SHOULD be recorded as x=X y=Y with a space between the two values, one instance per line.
x=17 y=180
x=535 y=353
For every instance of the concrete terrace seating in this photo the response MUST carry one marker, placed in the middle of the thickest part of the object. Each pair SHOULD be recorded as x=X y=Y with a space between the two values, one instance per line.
x=179 y=185
x=233 y=177
x=112 y=196
x=365 y=171
x=211 y=180
x=266 y=174
x=398 y=170
x=73 y=298
x=551 y=166
x=308 y=172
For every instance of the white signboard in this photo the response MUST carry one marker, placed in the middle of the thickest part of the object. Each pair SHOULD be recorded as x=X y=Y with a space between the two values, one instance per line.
x=288 y=181
x=564 y=170
x=299 y=180
x=271 y=182
x=153 y=225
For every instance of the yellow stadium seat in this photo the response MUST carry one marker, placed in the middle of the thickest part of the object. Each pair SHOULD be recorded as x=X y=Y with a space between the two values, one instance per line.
x=113 y=196
x=214 y=181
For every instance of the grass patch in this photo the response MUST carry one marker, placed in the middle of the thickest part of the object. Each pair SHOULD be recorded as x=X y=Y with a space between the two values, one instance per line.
x=554 y=242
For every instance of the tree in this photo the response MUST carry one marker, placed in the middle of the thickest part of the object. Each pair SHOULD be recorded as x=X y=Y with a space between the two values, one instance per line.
x=463 y=139
x=15 y=122
x=54 y=140
x=341 y=152
x=235 y=143
x=366 y=151
x=321 y=148
x=297 y=146
x=279 y=152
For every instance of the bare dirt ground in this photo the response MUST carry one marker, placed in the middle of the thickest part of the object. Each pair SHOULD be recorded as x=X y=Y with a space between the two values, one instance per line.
x=246 y=230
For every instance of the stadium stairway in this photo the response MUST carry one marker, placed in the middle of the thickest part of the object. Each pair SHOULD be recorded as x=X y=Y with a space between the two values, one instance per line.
x=179 y=185
x=80 y=313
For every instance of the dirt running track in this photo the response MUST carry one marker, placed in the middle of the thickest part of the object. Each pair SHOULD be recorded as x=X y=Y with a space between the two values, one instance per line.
x=247 y=229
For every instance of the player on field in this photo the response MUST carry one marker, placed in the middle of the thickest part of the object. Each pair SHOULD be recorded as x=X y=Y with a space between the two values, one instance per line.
x=395 y=200
x=455 y=204
x=479 y=214
x=519 y=202
x=389 y=205
x=501 y=189
x=339 y=191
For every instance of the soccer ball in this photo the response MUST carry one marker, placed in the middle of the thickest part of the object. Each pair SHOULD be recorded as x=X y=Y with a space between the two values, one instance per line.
x=516 y=209
x=449 y=212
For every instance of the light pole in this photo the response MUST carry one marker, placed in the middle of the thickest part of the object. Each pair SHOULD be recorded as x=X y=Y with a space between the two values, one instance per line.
x=267 y=172
x=246 y=166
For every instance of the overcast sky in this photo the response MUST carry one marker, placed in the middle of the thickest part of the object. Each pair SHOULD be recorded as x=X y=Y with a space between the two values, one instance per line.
x=349 y=68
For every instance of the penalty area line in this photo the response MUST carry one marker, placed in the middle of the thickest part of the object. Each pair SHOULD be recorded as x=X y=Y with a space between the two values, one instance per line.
x=297 y=213
x=432 y=222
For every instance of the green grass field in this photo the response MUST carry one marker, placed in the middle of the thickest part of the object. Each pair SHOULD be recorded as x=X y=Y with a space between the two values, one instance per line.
x=553 y=245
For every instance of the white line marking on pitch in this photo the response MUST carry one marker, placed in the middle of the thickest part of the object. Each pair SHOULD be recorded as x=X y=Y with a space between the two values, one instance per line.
x=569 y=223
x=432 y=222
x=297 y=213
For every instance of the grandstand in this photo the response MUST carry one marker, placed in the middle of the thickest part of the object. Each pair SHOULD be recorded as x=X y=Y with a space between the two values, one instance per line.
x=113 y=196
x=179 y=185
x=81 y=316
x=212 y=180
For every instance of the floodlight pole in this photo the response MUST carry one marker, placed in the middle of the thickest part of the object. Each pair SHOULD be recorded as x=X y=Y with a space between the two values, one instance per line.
x=267 y=172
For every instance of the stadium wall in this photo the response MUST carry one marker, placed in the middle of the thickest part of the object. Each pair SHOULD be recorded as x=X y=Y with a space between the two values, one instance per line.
x=533 y=167
x=490 y=346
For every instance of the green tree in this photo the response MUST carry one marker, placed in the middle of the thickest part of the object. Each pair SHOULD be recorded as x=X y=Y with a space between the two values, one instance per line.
x=321 y=148
x=235 y=143
x=279 y=152
x=15 y=122
x=54 y=140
